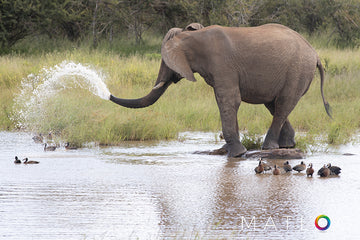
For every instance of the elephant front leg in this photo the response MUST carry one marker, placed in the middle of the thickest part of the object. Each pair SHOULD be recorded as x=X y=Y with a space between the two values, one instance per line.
x=228 y=102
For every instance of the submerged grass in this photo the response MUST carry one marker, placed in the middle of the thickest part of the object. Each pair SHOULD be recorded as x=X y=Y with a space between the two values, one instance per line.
x=80 y=117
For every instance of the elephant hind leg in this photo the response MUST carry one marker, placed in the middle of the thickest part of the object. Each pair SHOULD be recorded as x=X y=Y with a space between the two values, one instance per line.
x=281 y=134
x=287 y=136
x=287 y=133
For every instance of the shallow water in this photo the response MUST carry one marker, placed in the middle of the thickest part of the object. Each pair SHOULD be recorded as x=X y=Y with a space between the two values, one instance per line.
x=152 y=190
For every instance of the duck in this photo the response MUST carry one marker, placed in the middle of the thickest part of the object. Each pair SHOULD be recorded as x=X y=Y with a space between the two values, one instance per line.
x=276 y=170
x=68 y=147
x=287 y=167
x=17 y=160
x=334 y=170
x=26 y=161
x=49 y=148
x=266 y=167
x=38 y=138
x=259 y=168
x=324 y=171
x=310 y=170
x=300 y=167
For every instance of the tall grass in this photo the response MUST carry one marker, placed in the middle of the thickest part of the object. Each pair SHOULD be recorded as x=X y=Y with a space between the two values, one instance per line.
x=78 y=116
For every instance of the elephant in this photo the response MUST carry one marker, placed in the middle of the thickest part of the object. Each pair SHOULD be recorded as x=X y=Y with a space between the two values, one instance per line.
x=269 y=64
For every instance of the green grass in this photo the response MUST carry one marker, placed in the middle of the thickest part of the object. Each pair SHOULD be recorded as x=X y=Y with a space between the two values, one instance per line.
x=79 y=117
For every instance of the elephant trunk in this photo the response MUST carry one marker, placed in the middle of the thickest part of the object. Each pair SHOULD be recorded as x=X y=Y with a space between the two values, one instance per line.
x=145 y=101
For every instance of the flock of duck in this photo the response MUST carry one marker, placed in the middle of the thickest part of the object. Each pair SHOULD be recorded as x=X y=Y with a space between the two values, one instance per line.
x=39 y=139
x=26 y=161
x=325 y=171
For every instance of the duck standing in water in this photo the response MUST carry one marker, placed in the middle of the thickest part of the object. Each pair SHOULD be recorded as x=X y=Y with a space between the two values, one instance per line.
x=276 y=170
x=310 y=170
x=26 y=161
x=266 y=167
x=334 y=170
x=287 y=167
x=324 y=171
x=49 y=148
x=300 y=167
x=259 y=168
x=17 y=160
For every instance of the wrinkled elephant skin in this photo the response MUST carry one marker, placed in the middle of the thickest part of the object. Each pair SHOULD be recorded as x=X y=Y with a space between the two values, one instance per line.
x=270 y=64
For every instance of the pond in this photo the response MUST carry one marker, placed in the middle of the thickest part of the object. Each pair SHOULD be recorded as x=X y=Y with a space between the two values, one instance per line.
x=156 y=190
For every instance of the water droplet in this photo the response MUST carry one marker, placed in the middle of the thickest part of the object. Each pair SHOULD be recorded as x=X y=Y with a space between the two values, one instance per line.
x=36 y=89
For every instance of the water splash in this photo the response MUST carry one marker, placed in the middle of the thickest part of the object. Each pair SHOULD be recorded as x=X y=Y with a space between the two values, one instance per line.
x=37 y=89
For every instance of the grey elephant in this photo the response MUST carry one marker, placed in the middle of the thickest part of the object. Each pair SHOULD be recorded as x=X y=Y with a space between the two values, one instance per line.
x=269 y=64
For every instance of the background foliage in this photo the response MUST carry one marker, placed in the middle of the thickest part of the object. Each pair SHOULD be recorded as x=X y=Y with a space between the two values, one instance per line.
x=77 y=20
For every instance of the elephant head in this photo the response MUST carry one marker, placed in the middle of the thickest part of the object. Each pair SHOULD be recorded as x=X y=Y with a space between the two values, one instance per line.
x=167 y=74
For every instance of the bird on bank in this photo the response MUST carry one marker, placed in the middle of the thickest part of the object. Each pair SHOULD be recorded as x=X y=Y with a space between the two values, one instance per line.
x=259 y=168
x=334 y=170
x=310 y=170
x=276 y=170
x=26 y=161
x=68 y=147
x=49 y=148
x=324 y=171
x=300 y=167
x=38 y=138
x=17 y=160
x=287 y=167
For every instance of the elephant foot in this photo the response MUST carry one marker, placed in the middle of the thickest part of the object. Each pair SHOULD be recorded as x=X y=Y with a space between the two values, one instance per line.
x=220 y=151
x=235 y=150
x=269 y=145
x=287 y=143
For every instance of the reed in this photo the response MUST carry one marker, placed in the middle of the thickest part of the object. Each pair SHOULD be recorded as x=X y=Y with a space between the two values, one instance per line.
x=79 y=117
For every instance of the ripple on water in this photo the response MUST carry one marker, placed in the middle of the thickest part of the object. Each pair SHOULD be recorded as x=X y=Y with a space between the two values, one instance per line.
x=161 y=190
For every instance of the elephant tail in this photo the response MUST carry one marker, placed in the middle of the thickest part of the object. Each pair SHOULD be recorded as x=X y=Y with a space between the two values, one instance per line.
x=322 y=78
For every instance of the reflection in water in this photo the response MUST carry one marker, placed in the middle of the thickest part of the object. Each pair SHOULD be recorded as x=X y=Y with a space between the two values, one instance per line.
x=162 y=190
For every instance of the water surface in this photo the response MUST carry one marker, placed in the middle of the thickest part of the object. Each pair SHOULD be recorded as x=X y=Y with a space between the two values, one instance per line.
x=156 y=190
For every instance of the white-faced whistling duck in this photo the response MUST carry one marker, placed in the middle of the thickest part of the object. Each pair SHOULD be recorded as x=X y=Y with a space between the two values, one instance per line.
x=287 y=167
x=68 y=147
x=259 y=168
x=334 y=170
x=49 y=148
x=310 y=170
x=276 y=170
x=324 y=171
x=26 y=161
x=266 y=167
x=38 y=138
x=17 y=160
x=300 y=167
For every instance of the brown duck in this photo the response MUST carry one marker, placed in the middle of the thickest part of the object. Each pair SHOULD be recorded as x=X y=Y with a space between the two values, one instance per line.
x=310 y=170
x=276 y=170
x=259 y=168
x=300 y=167
x=324 y=171
x=26 y=161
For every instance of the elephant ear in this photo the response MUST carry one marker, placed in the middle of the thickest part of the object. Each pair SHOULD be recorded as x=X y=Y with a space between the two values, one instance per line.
x=193 y=27
x=174 y=57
